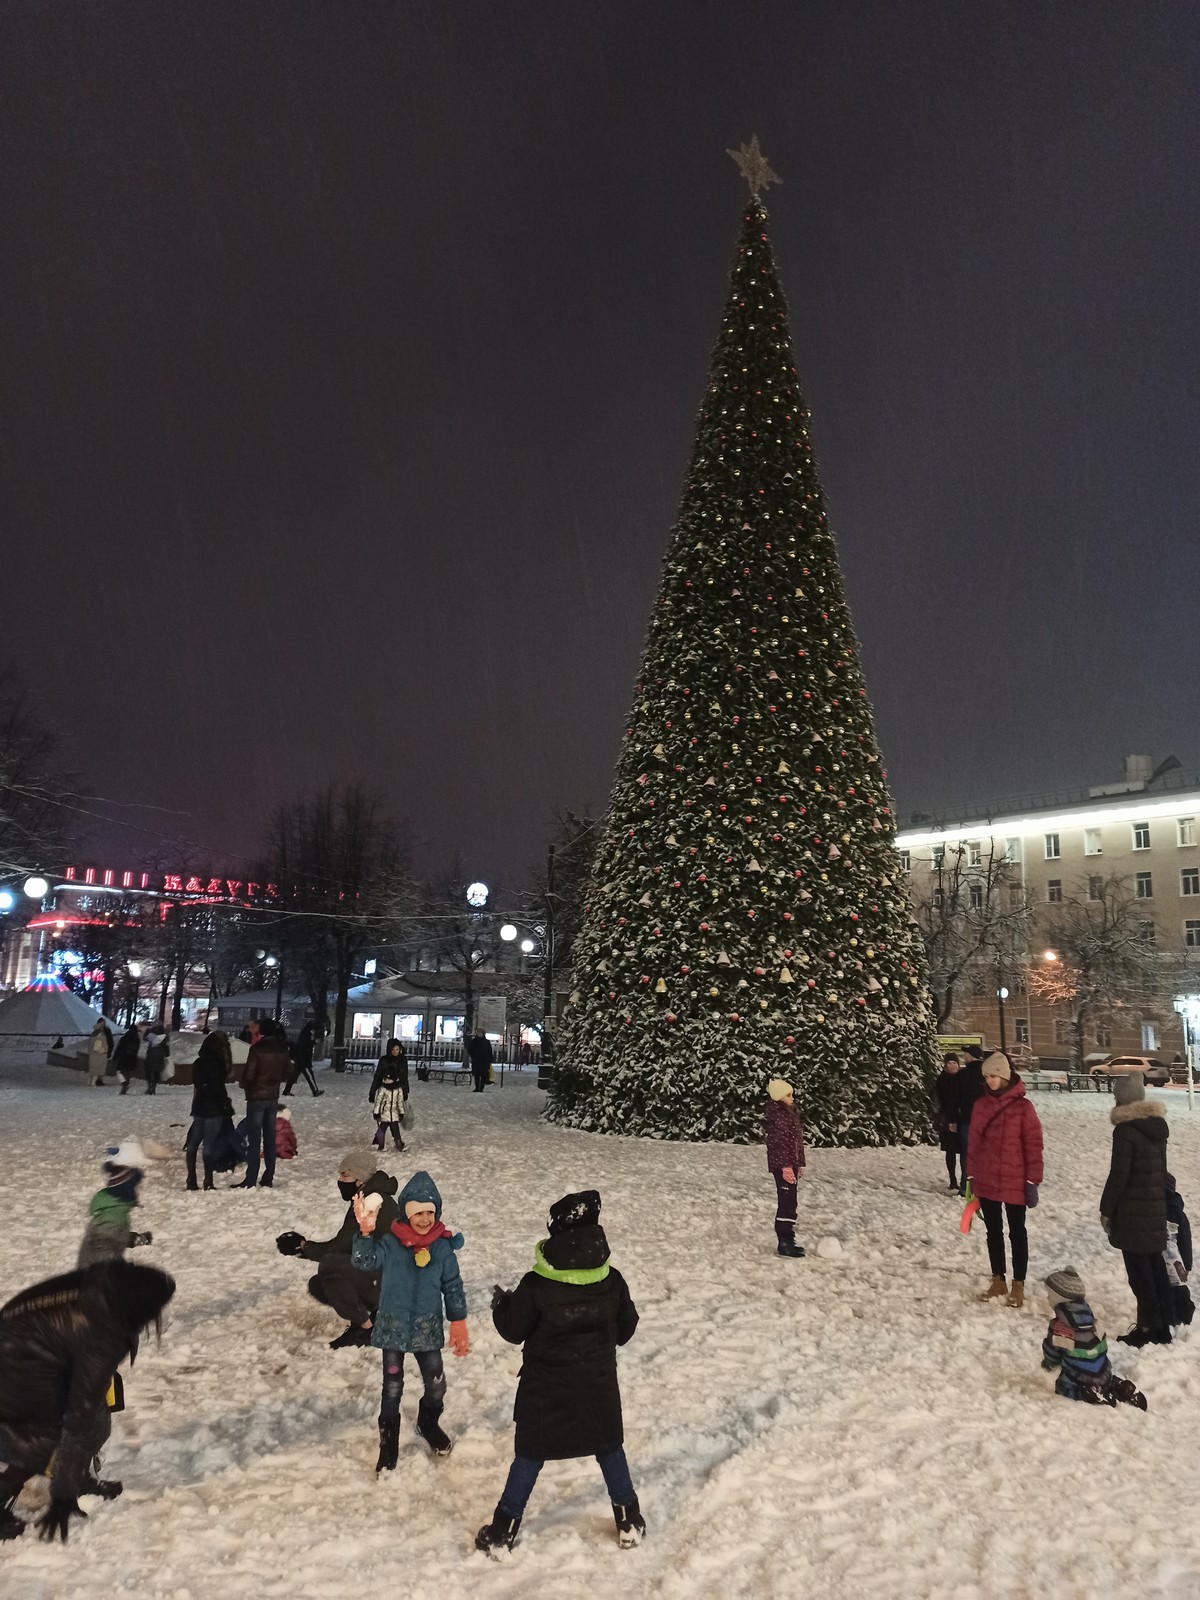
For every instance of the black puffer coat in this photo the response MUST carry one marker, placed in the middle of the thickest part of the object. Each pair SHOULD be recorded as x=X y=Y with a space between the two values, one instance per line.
x=953 y=1107
x=210 y=1097
x=380 y=1183
x=571 y=1312
x=1134 y=1198
x=60 y=1344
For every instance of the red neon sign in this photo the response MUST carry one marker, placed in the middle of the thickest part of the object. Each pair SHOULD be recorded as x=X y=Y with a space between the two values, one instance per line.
x=173 y=883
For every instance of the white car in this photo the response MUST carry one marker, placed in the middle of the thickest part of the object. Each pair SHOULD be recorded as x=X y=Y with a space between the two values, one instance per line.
x=1152 y=1069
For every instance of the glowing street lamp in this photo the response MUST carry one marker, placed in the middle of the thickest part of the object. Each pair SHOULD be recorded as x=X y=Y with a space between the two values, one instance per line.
x=37 y=887
x=508 y=932
x=7 y=900
x=1049 y=955
x=528 y=946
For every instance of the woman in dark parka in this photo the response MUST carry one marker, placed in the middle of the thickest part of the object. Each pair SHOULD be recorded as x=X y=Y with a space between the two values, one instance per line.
x=1133 y=1206
x=571 y=1312
x=953 y=1109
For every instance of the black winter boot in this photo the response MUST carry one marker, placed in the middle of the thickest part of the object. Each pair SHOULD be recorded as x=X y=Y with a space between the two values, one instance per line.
x=11 y=1527
x=389 y=1446
x=350 y=1338
x=793 y=1249
x=430 y=1429
x=631 y=1525
x=191 y=1170
x=499 y=1534
x=208 y=1176
x=106 y=1488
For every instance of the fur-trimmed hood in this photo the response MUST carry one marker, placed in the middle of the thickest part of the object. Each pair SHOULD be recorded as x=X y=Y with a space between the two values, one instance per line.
x=1136 y=1110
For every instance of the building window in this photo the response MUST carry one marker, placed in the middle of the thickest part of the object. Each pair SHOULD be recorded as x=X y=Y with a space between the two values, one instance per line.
x=974 y=854
x=1016 y=896
x=1022 y=1030
x=366 y=1025
x=1095 y=888
x=976 y=900
x=1103 y=1036
x=1091 y=842
x=905 y=860
x=1141 y=836
x=939 y=899
x=1012 y=850
x=1185 y=828
x=1191 y=933
x=1054 y=892
x=1149 y=1036
x=1062 y=1030
x=1052 y=850
x=937 y=858
x=1189 y=880
x=1147 y=933
x=1145 y=885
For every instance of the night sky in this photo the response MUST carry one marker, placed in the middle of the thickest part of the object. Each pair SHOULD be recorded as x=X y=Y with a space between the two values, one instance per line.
x=351 y=352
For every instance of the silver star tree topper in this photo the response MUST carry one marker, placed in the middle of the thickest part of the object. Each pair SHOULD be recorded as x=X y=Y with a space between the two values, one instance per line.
x=753 y=166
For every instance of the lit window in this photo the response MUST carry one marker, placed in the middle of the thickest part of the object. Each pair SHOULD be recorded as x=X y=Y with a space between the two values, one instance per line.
x=976 y=894
x=1054 y=892
x=975 y=854
x=1149 y=1036
x=1052 y=850
x=1186 y=830
x=1012 y=850
x=1022 y=1030
x=1191 y=933
x=1091 y=842
x=905 y=860
x=1189 y=880
x=1145 y=885
x=1141 y=836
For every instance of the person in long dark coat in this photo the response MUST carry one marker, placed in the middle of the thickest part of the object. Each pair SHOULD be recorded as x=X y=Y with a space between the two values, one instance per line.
x=125 y=1057
x=1133 y=1206
x=302 y=1060
x=158 y=1051
x=389 y=1091
x=952 y=1110
x=60 y=1345
x=211 y=1104
x=571 y=1312
x=481 y=1057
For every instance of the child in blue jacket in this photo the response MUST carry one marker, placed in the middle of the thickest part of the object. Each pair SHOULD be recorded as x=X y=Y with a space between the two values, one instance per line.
x=419 y=1274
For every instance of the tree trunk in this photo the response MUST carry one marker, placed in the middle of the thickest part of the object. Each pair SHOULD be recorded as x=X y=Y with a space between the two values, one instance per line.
x=1077 y=1019
x=162 y=993
x=181 y=972
x=106 y=991
x=468 y=1005
x=339 y=1017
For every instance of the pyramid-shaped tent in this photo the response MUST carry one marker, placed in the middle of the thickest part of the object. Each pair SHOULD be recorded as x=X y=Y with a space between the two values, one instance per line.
x=35 y=1017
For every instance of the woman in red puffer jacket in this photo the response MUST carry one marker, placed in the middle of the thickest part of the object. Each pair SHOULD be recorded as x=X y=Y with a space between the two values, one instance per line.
x=1004 y=1166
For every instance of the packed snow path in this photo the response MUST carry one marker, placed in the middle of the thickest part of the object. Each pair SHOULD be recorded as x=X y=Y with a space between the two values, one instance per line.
x=851 y=1424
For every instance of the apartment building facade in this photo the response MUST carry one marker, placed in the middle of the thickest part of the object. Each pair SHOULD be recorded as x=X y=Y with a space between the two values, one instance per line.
x=1143 y=830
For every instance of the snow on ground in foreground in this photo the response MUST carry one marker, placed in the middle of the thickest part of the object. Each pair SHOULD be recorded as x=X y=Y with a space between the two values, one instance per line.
x=847 y=1425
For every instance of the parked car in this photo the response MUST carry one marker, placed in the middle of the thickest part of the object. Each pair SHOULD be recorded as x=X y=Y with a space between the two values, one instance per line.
x=1152 y=1069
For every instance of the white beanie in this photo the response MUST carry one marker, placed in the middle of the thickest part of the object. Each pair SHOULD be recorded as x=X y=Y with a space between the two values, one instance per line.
x=128 y=1156
x=779 y=1088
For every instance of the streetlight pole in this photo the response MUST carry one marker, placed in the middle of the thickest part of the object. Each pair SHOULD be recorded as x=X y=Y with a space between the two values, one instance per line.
x=548 y=973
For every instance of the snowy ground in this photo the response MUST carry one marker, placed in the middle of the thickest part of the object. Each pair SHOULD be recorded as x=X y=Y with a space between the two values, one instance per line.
x=841 y=1426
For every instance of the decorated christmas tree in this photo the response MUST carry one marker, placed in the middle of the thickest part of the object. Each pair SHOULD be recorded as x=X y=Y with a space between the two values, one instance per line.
x=748 y=915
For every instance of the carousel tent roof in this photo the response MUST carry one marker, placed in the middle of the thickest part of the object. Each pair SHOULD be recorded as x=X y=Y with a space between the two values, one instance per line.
x=45 y=1011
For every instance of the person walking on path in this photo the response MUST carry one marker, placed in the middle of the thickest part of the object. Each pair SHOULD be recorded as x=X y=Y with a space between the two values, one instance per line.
x=418 y=1264
x=158 y=1050
x=302 y=1060
x=479 y=1053
x=265 y=1072
x=949 y=1091
x=210 y=1104
x=784 y=1134
x=1133 y=1206
x=337 y=1283
x=125 y=1056
x=389 y=1092
x=99 y=1046
x=570 y=1313
x=1004 y=1168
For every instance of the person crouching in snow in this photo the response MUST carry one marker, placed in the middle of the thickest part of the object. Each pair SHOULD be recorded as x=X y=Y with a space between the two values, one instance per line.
x=285 y=1135
x=1078 y=1348
x=416 y=1259
x=108 y=1235
x=61 y=1343
x=571 y=1312
x=785 y=1157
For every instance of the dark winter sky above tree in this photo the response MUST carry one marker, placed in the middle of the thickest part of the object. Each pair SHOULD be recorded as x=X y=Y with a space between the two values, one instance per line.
x=351 y=356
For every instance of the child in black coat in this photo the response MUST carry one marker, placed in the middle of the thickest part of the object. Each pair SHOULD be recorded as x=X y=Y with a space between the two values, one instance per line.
x=1178 y=1255
x=571 y=1312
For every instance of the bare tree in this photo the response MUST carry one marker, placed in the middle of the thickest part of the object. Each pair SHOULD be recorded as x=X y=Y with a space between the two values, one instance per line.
x=461 y=938
x=973 y=910
x=1100 y=960
x=32 y=817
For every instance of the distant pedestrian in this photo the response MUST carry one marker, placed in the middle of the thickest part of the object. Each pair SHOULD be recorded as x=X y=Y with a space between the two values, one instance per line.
x=211 y=1104
x=951 y=1113
x=1004 y=1166
x=389 y=1094
x=266 y=1070
x=784 y=1133
x=158 y=1051
x=125 y=1056
x=1133 y=1206
x=302 y=1059
x=479 y=1053
x=99 y=1045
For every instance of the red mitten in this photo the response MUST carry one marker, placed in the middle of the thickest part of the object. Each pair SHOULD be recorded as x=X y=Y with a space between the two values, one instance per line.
x=459 y=1342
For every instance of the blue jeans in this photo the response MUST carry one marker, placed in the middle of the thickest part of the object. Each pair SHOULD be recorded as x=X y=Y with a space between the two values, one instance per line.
x=260 y=1130
x=429 y=1364
x=523 y=1474
x=203 y=1131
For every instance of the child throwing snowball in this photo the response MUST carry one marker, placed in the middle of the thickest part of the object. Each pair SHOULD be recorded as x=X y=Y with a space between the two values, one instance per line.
x=419 y=1275
x=571 y=1312
x=785 y=1157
